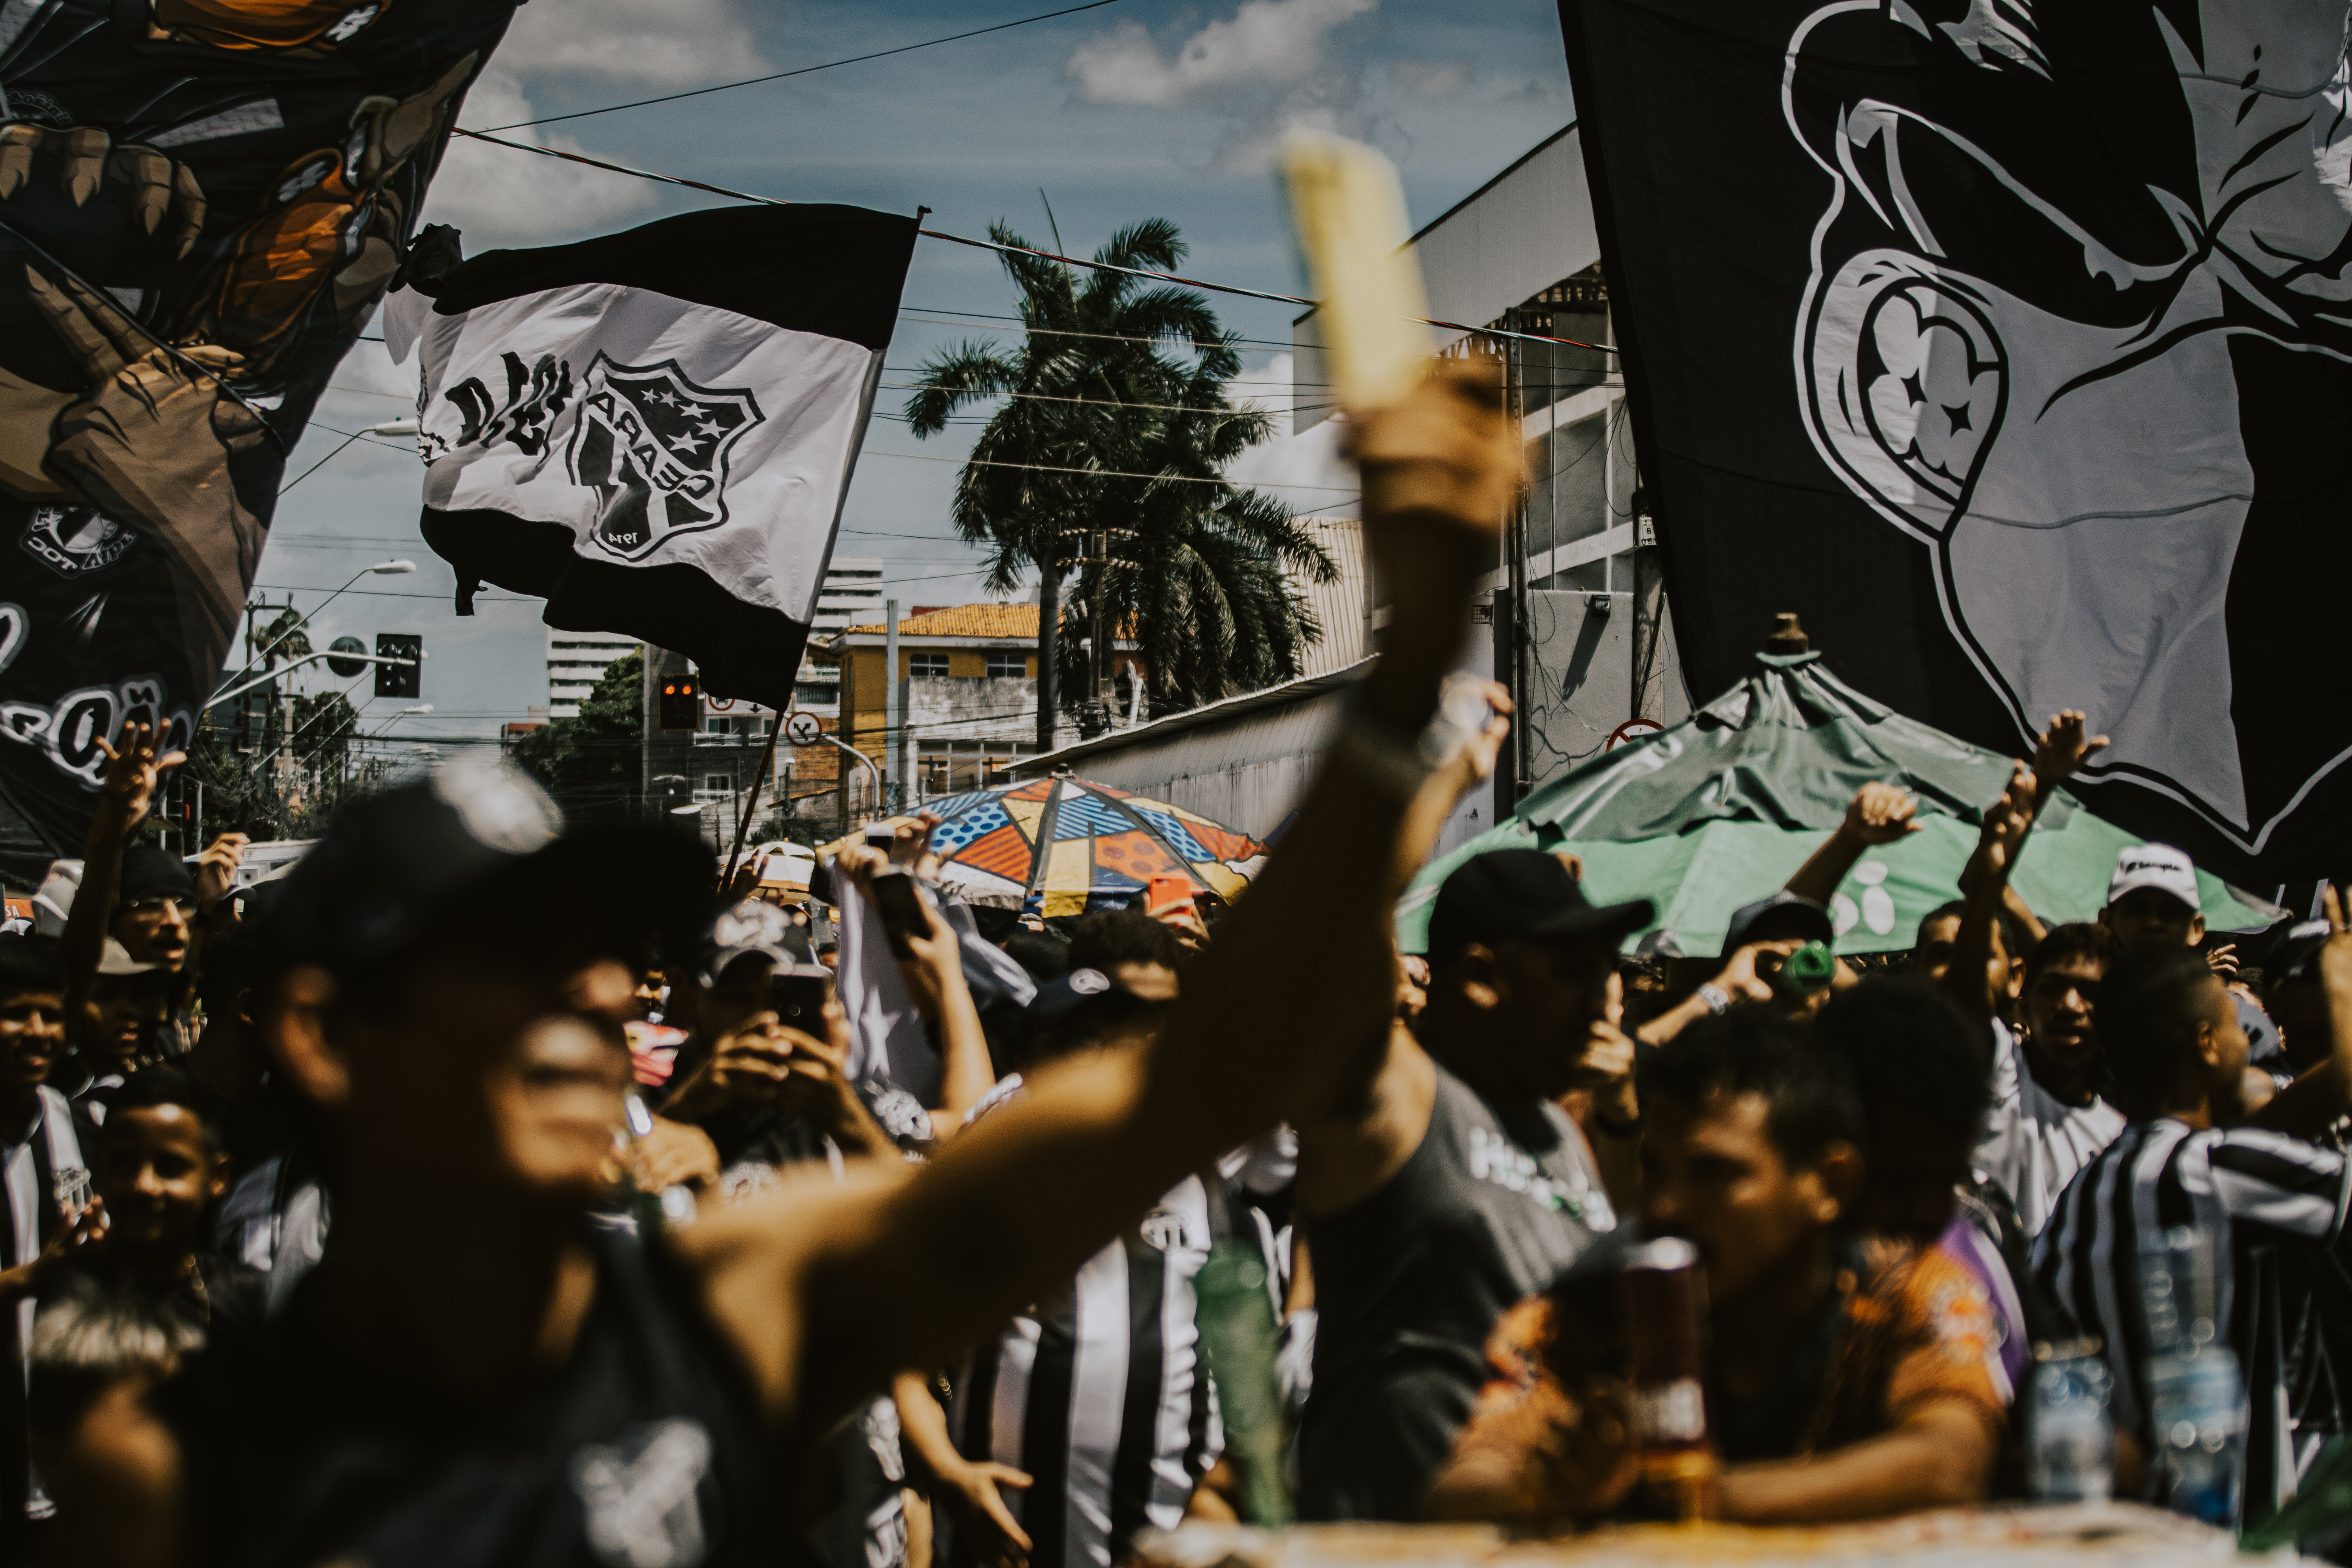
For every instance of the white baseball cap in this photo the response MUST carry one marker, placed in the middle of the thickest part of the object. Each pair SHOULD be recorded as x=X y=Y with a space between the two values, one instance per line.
x=2158 y=866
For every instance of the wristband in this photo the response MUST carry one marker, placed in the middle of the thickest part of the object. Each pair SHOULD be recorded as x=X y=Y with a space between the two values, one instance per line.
x=1396 y=763
x=1717 y=1000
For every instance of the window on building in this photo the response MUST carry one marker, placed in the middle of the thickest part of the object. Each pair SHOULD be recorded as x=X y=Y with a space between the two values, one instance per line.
x=1002 y=666
x=816 y=693
x=719 y=784
x=926 y=665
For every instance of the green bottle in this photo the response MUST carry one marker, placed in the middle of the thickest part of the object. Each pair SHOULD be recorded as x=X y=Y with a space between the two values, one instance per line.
x=1808 y=970
x=1238 y=1330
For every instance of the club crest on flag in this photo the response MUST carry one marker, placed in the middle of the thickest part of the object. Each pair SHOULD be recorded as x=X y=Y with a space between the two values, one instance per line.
x=655 y=446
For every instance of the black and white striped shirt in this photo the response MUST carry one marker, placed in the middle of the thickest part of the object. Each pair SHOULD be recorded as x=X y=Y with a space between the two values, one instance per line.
x=1102 y=1396
x=2274 y=1207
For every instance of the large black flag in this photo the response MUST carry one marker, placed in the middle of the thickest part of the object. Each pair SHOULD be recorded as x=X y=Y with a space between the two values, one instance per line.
x=655 y=430
x=2006 y=342
x=201 y=202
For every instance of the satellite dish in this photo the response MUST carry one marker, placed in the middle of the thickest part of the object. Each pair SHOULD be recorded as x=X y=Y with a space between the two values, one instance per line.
x=346 y=666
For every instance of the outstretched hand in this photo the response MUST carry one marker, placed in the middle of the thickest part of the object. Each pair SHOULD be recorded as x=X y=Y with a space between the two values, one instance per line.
x=217 y=869
x=133 y=772
x=2063 y=749
x=1880 y=814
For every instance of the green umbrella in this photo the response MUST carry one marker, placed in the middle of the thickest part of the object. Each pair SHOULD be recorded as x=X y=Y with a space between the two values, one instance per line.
x=1721 y=809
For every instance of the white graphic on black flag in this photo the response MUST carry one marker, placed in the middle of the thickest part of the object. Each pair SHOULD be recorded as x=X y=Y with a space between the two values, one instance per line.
x=2047 y=400
x=654 y=446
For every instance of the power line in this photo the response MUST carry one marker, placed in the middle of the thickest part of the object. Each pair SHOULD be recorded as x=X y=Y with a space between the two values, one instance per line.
x=805 y=70
x=1104 y=473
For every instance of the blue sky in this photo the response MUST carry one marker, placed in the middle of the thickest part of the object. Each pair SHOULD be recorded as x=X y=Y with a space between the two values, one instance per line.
x=1144 y=107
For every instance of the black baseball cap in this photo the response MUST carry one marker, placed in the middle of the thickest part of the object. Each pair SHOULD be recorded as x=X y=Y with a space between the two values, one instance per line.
x=1783 y=917
x=1522 y=894
x=393 y=864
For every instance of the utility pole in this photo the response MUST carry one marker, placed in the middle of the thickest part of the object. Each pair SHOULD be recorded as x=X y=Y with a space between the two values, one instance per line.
x=894 y=753
x=1515 y=542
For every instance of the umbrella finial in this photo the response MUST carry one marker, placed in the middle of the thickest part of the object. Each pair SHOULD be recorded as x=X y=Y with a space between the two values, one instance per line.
x=1787 y=636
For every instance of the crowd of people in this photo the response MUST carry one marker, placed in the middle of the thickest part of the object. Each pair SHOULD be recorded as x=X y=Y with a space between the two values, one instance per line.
x=486 y=1191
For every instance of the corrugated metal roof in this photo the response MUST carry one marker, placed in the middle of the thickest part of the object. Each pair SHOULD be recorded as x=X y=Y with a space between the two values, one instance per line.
x=1304 y=689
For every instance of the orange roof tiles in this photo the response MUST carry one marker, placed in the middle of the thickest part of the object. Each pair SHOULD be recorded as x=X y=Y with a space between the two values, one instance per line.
x=966 y=621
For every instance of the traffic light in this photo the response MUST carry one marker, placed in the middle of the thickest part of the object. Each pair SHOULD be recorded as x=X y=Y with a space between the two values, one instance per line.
x=400 y=679
x=681 y=703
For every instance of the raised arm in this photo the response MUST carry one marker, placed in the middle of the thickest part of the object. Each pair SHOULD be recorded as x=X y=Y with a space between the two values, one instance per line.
x=1878 y=813
x=133 y=773
x=1970 y=979
x=2310 y=1105
x=934 y=976
x=1299 y=985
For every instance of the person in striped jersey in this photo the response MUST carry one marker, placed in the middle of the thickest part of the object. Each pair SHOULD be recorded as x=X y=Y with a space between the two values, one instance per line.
x=1093 y=1404
x=2270 y=1202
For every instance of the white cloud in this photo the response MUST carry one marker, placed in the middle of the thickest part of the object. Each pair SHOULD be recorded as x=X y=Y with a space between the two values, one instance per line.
x=1267 y=386
x=1269 y=66
x=677 y=43
x=1276 y=42
x=499 y=196
x=1431 y=79
x=1315 y=476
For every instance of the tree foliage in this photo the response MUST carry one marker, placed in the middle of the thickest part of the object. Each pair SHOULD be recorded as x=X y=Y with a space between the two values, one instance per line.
x=1117 y=375
x=592 y=764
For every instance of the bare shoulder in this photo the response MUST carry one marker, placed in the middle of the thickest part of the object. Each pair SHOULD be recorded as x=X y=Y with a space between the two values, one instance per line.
x=120 y=1484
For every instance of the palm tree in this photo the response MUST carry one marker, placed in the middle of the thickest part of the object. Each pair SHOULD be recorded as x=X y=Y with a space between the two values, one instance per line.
x=1117 y=377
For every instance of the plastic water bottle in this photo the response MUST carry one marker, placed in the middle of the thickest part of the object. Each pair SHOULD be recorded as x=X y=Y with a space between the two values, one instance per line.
x=2070 y=1454
x=2195 y=1394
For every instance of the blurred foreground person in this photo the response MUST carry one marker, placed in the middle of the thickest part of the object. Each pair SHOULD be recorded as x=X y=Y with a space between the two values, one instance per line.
x=1845 y=1375
x=473 y=1375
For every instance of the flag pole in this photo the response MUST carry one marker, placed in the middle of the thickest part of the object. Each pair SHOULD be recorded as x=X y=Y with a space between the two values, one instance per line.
x=743 y=823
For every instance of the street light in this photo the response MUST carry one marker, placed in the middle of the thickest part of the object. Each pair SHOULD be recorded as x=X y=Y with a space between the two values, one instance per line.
x=381 y=569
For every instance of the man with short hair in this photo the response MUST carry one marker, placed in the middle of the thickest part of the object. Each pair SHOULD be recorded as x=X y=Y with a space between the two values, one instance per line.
x=1450 y=1185
x=2268 y=1203
x=1845 y=1377
x=1141 y=954
x=41 y=1167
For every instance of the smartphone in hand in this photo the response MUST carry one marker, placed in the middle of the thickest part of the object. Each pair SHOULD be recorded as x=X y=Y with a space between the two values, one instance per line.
x=899 y=901
x=798 y=994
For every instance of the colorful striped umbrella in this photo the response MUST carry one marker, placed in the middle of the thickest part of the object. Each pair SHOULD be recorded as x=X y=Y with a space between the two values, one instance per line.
x=1075 y=845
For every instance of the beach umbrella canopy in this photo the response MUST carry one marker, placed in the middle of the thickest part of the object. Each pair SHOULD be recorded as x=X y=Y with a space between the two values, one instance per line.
x=1719 y=810
x=1072 y=844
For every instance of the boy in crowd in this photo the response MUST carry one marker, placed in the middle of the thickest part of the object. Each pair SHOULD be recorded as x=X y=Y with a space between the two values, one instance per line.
x=159 y=1168
x=2268 y=1202
x=1846 y=1376
x=2039 y=1133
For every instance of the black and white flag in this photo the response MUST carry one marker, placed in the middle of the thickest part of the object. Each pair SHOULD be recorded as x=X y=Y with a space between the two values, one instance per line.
x=655 y=430
x=2007 y=343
